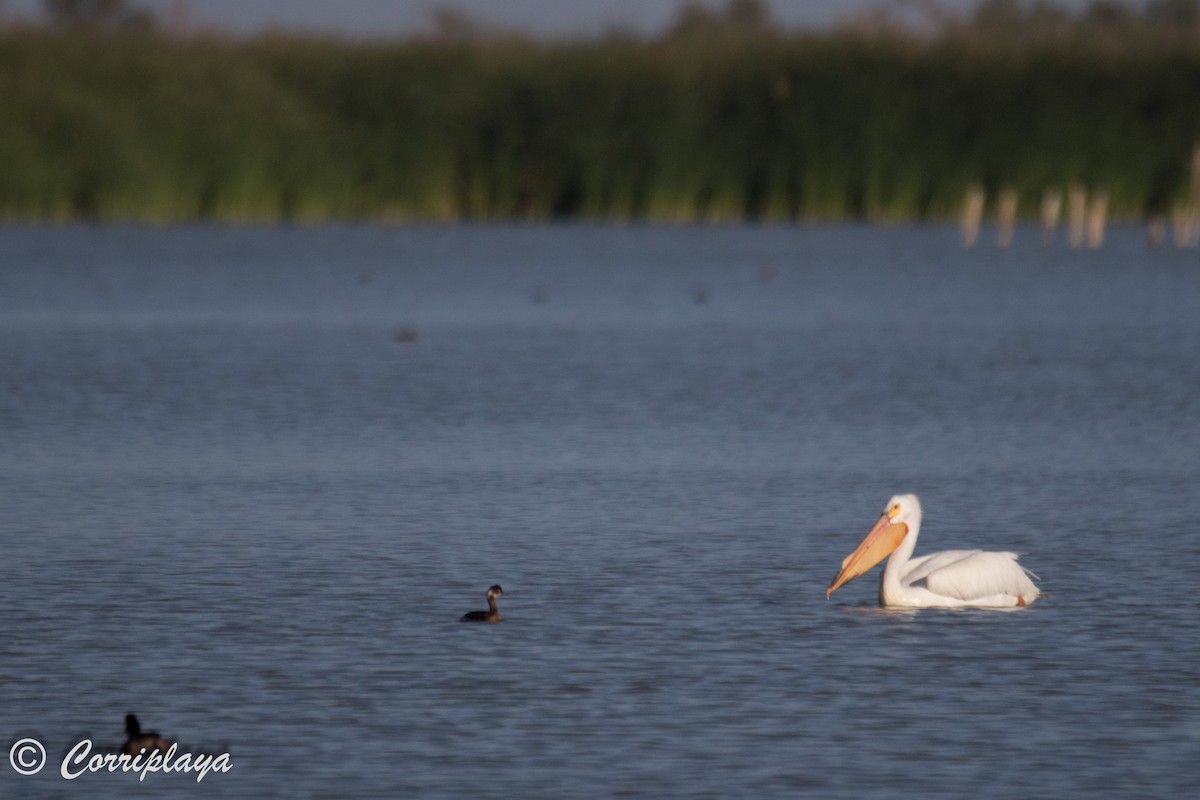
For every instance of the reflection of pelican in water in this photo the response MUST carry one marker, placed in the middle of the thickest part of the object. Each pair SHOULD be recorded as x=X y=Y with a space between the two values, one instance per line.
x=950 y=579
x=492 y=614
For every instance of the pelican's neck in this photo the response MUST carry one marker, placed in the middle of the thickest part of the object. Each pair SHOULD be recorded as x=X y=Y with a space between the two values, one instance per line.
x=890 y=585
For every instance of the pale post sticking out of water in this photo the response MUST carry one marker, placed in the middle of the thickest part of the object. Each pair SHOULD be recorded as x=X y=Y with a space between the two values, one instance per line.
x=1097 y=216
x=1185 y=229
x=1051 y=209
x=972 y=214
x=1186 y=221
x=1076 y=214
x=1156 y=231
x=1006 y=217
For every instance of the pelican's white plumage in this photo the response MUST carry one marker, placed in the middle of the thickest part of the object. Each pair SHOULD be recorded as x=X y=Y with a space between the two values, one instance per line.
x=950 y=579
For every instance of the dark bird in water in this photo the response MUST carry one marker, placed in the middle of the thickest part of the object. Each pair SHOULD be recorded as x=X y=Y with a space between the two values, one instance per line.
x=139 y=740
x=405 y=335
x=492 y=614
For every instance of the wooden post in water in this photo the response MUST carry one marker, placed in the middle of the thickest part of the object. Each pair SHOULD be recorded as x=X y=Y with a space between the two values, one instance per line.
x=1185 y=231
x=1006 y=217
x=1076 y=214
x=1187 y=227
x=1097 y=216
x=1156 y=231
x=972 y=215
x=1051 y=209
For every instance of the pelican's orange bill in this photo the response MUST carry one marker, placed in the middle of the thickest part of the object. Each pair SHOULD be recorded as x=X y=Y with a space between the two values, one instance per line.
x=875 y=547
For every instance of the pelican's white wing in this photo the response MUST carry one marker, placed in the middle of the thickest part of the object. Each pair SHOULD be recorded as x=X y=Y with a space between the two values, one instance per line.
x=917 y=569
x=970 y=575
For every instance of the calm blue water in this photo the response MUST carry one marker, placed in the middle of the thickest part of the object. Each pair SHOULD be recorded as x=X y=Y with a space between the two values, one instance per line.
x=236 y=502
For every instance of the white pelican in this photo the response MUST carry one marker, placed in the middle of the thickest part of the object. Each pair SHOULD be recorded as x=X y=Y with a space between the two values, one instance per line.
x=950 y=579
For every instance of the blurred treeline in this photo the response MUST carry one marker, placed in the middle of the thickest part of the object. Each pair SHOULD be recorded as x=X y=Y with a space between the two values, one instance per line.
x=725 y=117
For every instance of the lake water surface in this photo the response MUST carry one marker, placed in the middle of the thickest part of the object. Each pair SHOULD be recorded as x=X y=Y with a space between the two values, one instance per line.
x=251 y=477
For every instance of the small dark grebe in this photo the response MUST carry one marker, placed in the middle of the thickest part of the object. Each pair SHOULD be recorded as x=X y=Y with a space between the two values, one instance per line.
x=492 y=614
x=138 y=741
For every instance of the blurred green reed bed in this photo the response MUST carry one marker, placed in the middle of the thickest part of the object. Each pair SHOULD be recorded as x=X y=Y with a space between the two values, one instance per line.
x=805 y=126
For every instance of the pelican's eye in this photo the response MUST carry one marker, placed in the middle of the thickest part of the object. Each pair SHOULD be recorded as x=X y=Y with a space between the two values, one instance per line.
x=893 y=511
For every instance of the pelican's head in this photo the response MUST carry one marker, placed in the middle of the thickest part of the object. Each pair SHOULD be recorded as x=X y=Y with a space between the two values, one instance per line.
x=901 y=514
x=905 y=509
x=495 y=591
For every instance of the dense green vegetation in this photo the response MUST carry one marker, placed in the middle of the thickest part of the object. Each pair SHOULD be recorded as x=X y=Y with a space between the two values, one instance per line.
x=709 y=126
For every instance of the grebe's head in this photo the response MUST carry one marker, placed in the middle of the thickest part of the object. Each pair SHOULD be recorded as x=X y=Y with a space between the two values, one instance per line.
x=495 y=590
